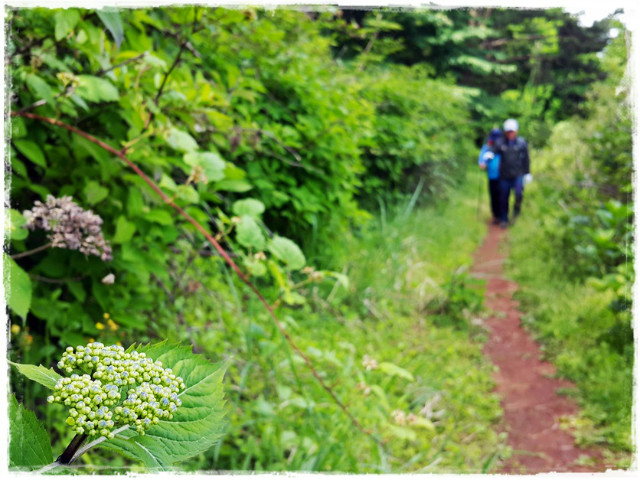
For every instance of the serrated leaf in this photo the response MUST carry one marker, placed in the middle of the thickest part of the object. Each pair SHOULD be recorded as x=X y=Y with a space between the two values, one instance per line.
x=249 y=234
x=113 y=22
x=65 y=21
x=31 y=150
x=288 y=252
x=94 y=192
x=393 y=369
x=96 y=89
x=124 y=230
x=42 y=375
x=248 y=206
x=197 y=424
x=14 y=225
x=181 y=141
x=29 y=445
x=17 y=287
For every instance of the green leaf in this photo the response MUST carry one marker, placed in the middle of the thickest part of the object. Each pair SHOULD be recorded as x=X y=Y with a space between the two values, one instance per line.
x=255 y=267
x=41 y=89
x=124 y=230
x=288 y=252
x=65 y=21
x=403 y=433
x=248 y=206
x=197 y=424
x=113 y=22
x=31 y=150
x=188 y=194
x=393 y=369
x=249 y=234
x=161 y=217
x=94 y=192
x=42 y=375
x=19 y=287
x=212 y=164
x=230 y=185
x=96 y=89
x=14 y=225
x=29 y=444
x=181 y=141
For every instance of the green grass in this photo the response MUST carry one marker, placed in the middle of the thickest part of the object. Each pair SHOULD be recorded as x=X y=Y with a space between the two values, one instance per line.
x=408 y=307
x=569 y=318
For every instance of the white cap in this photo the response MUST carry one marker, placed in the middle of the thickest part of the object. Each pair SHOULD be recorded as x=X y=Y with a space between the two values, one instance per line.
x=510 y=125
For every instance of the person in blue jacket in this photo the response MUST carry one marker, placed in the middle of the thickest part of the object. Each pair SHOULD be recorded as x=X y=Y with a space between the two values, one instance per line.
x=492 y=166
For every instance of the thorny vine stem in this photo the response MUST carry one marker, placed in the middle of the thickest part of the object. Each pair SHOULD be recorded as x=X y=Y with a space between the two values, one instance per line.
x=223 y=253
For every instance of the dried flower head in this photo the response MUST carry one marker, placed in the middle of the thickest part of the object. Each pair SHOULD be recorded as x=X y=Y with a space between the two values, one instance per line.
x=399 y=417
x=369 y=363
x=114 y=388
x=69 y=226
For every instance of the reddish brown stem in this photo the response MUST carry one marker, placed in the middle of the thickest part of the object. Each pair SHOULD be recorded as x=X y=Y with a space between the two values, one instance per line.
x=223 y=253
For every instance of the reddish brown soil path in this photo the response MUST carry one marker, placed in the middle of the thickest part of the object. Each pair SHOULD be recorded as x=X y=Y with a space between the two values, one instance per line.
x=528 y=392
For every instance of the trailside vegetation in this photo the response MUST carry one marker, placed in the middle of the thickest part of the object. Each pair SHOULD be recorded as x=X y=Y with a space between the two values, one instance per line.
x=574 y=259
x=287 y=193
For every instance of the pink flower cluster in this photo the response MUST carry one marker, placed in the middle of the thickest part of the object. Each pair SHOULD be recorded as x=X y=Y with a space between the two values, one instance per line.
x=69 y=225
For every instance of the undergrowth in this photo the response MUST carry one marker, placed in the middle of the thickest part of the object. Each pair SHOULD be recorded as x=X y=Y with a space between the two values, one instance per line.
x=398 y=346
x=571 y=319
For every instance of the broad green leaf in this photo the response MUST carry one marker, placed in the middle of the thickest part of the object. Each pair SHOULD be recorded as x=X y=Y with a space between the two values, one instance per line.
x=255 y=267
x=197 y=424
x=65 y=21
x=14 y=225
x=124 y=230
x=181 y=141
x=29 y=444
x=166 y=182
x=41 y=89
x=393 y=369
x=42 y=375
x=94 y=192
x=188 y=194
x=113 y=22
x=96 y=89
x=212 y=164
x=248 y=206
x=230 y=185
x=288 y=252
x=17 y=287
x=161 y=217
x=31 y=150
x=249 y=234
x=18 y=128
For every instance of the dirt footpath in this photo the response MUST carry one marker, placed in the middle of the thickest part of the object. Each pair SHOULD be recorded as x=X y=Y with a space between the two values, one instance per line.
x=531 y=405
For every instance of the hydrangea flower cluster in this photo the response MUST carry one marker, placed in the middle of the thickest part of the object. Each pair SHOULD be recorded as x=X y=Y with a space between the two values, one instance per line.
x=69 y=226
x=115 y=388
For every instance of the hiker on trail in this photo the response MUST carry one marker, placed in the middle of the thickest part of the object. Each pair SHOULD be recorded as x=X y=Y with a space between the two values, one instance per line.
x=514 y=167
x=492 y=166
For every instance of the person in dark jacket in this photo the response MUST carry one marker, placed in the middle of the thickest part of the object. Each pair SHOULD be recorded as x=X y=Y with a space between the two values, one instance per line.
x=492 y=166
x=514 y=165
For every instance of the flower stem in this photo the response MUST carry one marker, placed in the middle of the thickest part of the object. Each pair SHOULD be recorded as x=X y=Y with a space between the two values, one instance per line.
x=67 y=456
x=31 y=252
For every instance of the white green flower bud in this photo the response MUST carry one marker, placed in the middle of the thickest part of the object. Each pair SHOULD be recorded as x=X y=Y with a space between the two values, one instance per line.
x=151 y=396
